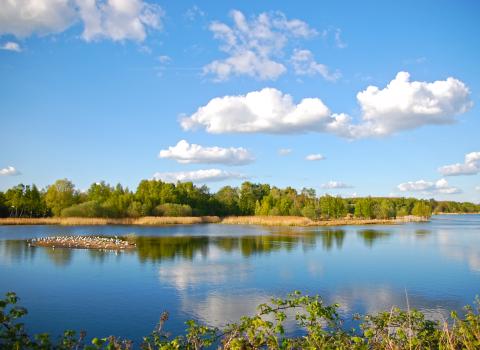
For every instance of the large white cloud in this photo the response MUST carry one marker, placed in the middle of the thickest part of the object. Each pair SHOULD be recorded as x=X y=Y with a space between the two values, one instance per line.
x=401 y=105
x=198 y=176
x=428 y=187
x=9 y=171
x=184 y=152
x=267 y=110
x=470 y=166
x=256 y=47
x=26 y=17
x=111 y=19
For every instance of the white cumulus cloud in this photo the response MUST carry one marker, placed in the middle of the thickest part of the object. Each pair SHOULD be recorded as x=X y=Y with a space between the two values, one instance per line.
x=268 y=111
x=184 y=152
x=336 y=185
x=111 y=19
x=477 y=188
x=11 y=46
x=23 y=18
x=9 y=171
x=118 y=19
x=404 y=105
x=254 y=47
x=428 y=187
x=198 y=176
x=313 y=157
x=401 y=105
x=304 y=64
x=470 y=166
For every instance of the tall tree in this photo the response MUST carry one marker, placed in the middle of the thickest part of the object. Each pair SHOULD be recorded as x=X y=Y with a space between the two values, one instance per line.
x=61 y=195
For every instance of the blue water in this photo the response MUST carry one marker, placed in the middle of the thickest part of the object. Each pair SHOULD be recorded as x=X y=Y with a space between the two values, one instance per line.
x=216 y=273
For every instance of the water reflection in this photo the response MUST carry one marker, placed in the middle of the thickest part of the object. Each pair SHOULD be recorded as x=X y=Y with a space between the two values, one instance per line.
x=371 y=236
x=59 y=256
x=331 y=237
x=15 y=250
x=167 y=248
x=422 y=233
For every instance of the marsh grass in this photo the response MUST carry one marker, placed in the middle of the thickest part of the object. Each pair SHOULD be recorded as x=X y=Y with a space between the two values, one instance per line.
x=191 y=220
x=147 y=221
x=303 y=221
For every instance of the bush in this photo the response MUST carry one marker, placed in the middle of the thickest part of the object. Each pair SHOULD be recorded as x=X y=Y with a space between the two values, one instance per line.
x=321 y=324
x=90 y=209
x=172 y=209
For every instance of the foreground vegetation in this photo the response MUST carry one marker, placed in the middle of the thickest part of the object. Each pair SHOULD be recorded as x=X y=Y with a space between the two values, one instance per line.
x=161 y=199
x=319 y=326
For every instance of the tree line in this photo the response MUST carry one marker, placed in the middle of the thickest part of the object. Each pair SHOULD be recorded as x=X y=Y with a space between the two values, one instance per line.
x=158 y=198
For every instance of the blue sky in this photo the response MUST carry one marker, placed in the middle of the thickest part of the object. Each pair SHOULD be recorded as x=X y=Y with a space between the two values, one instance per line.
x=94 y=90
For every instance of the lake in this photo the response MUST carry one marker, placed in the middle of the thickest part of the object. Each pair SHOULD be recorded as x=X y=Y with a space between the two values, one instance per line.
x=216 y=273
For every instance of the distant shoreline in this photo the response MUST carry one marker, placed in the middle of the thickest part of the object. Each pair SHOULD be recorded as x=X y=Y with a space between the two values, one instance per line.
x=456 y=213
x=232 y=220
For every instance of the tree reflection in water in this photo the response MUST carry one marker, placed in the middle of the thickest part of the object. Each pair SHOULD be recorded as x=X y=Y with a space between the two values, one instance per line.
x=371 y=236
x=168 y=248
x=157 y=249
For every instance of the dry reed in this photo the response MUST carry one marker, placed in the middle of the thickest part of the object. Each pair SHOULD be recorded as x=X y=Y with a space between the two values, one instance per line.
x=147 y=220
x=191 y=220
x=303 y=221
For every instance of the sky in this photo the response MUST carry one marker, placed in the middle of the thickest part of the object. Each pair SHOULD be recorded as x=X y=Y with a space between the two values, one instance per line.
x=350 y=98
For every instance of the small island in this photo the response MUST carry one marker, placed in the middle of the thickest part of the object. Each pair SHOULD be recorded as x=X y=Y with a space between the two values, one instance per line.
x=83 y=242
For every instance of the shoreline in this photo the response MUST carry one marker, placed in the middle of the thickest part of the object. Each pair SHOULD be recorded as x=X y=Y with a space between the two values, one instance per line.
x=231 y=220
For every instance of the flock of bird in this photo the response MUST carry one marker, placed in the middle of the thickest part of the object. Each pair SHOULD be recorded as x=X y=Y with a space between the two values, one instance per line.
x=86 y=242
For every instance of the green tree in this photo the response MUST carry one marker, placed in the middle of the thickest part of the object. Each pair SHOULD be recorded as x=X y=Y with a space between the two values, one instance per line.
x=385 y=209
x=422 y=208
x=61 y=195
x=332 y=207
x=365 y=208
x=249 y=195
x=3 y=205
x=228 y=198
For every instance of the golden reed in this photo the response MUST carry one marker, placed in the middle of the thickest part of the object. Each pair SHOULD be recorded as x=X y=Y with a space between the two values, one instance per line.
x=191 y=220
x=302 y=221
x=147 y=220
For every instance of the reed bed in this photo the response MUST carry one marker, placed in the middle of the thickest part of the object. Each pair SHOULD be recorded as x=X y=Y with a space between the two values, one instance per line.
x=191 y=220
x=147 y=221
x=268 y=220
x=303 y=221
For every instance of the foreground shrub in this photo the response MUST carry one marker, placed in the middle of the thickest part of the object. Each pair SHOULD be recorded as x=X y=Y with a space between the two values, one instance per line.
x=320 y=326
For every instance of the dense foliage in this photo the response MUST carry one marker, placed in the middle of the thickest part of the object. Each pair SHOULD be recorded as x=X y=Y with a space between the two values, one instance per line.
x=318 y=326
x=157 y=198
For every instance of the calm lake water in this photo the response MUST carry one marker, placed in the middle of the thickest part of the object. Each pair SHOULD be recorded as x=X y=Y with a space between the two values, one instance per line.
x=216 y=273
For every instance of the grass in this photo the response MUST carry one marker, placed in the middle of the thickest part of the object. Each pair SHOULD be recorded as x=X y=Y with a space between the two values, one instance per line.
x=147 y=221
